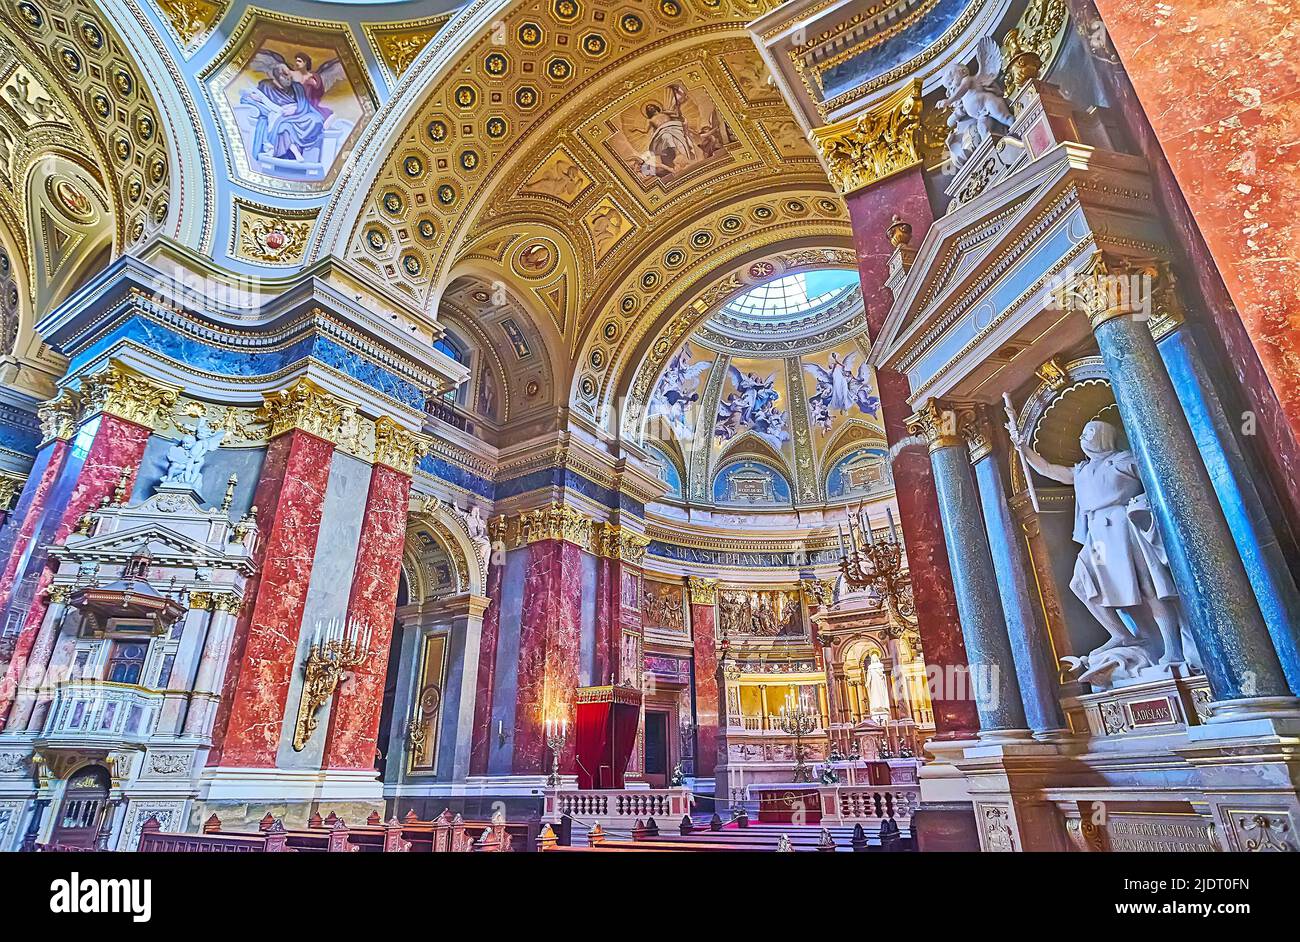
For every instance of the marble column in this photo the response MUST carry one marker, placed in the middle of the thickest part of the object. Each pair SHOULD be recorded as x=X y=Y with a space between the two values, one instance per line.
x=205 y=692
x=1252 y=528
x=290 y=495
x=992 y=678
x=59 y=669
x=353 y=733
x=704 y=631
x=487 y=658
x=1031 y=648
x=1215 y=592
x=108 y=471
x=39 y=658
x=871 y=211
x=33 y=503
x=549 y=634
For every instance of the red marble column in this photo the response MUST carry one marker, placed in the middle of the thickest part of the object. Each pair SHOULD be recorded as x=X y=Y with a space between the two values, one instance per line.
x=1210 y=91
x=549 y=650
x=289 y=497
x=33 y=504
x=487 y=670
x=118 y=445
x=870 y=211
x=354 y=720
x=704 y=631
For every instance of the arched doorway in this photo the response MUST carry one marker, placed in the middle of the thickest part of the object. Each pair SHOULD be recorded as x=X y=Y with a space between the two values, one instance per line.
x=81 y=813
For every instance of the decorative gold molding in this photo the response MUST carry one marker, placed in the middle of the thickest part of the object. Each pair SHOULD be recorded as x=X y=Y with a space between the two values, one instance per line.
x=703 y=591
x=10 y=485
x=1053 y=374
x=863 y=150
x=120 y=391
x=200 y=601
x=226 y=602
x=1033 y=44
x=310 y=408
x=269 y=235
x=617 y=542
x=58 y=594
x=936 y=422
x=397 y=45
x=397 y=447
x=192 y=20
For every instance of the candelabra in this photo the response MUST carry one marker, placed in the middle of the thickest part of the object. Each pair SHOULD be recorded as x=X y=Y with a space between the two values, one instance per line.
x=336 y=650
x=868 y=562
x=557 y=730
x=795 y=721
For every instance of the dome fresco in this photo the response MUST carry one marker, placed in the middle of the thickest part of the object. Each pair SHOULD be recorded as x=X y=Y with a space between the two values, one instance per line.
x=750 y=426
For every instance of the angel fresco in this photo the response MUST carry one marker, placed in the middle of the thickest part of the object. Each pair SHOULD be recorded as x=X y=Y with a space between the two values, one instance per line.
x=289 y=126
x=753 y=407
x=676 y=391
x=975 y=101
x=840 y=388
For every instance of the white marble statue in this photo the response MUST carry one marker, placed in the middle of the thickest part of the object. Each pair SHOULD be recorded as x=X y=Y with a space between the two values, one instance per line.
x=877 y=689
x=975 y=101
x=1122 y=573
x=478 y=531
x=185 y=459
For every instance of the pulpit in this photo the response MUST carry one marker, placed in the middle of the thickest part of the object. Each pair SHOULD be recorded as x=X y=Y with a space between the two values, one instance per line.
x=607 y=720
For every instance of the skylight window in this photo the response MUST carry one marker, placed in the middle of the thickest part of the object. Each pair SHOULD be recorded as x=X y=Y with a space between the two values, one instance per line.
x=792 y=295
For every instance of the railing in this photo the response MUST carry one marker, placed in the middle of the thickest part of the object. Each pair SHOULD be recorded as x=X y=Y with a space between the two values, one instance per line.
x=100 y=710
x=756 y=723
x=866 y=805
x=444 y=411
x=618 y=806
x=445 y=834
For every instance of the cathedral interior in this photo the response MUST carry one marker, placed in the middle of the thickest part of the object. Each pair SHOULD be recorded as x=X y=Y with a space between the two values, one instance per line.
x=584 y=426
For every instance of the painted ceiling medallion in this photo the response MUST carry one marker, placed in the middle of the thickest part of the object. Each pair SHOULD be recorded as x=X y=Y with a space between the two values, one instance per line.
x=293 y=96
x=269 y=236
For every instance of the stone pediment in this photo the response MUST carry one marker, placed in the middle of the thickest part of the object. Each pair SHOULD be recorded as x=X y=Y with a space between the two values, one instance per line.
x=979 y=286
x=160 y=543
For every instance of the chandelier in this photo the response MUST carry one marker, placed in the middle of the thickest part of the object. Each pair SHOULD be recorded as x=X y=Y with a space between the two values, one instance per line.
x=875 y=564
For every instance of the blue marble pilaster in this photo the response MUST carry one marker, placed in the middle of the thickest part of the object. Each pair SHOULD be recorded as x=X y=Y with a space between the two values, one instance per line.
x=1216 y=595
x=1031 y=648
x=983 y=625
x=1266 y=565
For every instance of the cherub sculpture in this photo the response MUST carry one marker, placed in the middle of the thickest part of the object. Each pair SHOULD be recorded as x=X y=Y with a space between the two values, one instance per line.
x=975 y=101
x=185 y=458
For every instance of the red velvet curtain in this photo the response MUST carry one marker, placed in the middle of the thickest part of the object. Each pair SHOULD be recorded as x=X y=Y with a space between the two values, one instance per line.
x=606 y=734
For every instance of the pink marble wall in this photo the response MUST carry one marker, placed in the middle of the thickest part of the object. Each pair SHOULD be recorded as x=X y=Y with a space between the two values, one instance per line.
x=289 y=497
x=704 y=631
x=353 y=732
x=870 y=211
x=549 y=650
x=117 y=445
x=1211 y=91
x=481 y=747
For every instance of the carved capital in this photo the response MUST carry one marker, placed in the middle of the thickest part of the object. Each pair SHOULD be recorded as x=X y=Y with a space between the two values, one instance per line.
x=616 y=542
x=308 y=407
x=227 y=602
x=10 y=486
x=59 y=416
x=120 y=391
x=58 y=594
x=978 y=427
x=862 y=150
x=397 y=447
x=703 y=591
x=555 y=522
x=1108 y=286
x=936 y=422
x=200 y=601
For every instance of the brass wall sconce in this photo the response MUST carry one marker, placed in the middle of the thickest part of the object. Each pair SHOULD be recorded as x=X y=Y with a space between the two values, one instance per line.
x=336 y=651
